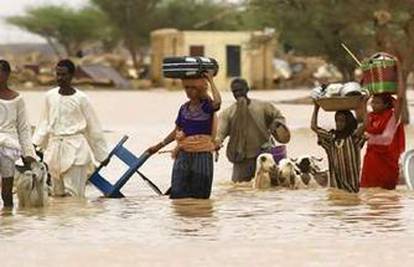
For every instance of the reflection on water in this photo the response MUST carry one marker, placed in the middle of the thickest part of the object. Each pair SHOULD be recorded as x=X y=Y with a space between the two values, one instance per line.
x=193 y=208
x=274 y=224
x=373 y=210
x=195 y=219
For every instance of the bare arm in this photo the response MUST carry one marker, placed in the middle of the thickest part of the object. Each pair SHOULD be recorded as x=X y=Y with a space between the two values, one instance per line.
x=364 y=117
x=223 y=127
x=170 y=137
x=314 y=121
x=399 y=105
x=324 y=137
x=166 y=141
x=215 y=92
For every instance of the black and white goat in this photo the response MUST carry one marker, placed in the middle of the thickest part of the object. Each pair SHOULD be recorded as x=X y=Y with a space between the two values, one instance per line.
x=301 y=173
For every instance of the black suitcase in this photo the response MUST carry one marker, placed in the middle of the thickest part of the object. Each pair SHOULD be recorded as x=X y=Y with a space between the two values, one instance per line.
x=188 y=67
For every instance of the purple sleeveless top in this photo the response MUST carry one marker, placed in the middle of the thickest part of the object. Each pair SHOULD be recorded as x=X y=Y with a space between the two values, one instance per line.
x=198 y=121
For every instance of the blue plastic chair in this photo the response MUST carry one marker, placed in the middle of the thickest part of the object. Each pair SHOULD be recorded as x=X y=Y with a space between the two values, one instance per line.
x=134 y=163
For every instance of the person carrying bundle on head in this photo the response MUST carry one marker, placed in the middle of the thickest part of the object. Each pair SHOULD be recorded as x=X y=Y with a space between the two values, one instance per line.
x=192 y=174
x=386 y=139
x=343 y=147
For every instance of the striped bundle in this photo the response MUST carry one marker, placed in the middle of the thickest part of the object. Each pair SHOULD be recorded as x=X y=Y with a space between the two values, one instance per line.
x=380 y=74
x=188 y=67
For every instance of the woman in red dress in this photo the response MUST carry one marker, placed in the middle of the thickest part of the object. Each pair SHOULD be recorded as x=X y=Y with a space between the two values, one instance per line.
x=386 y=140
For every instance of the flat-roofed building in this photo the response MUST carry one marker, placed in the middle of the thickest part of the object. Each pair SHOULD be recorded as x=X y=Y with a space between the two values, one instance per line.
x=246 y=54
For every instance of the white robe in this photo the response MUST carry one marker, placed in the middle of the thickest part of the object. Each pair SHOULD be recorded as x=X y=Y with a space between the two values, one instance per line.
x=70 y=134
x=15 y=132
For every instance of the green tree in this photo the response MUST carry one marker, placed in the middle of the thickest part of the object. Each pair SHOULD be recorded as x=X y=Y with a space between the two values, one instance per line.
x=199 y=15
x=133 y=19
x=318 y=27
x=63 y=25
x=393 y=26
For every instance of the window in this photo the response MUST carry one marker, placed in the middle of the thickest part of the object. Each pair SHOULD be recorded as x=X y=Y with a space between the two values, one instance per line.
x=197 y=50
x=233 y=60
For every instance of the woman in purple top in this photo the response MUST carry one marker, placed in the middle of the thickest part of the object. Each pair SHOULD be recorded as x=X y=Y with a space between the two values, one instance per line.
x=193 y=166
x=198 y=119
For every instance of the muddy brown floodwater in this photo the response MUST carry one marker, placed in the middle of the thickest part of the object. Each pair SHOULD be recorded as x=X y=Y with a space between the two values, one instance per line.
x=237 y=226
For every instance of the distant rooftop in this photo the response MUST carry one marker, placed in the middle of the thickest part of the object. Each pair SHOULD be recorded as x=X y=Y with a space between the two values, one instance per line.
x=26 y=48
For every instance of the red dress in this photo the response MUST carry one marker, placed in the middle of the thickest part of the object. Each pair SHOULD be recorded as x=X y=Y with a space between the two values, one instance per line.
x=380 y=167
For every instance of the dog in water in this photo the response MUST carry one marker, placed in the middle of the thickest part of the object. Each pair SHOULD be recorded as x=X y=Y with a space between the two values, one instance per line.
x=265 y=167
x=31 y=185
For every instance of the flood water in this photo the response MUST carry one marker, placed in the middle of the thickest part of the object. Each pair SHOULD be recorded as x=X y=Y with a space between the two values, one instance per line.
x=237 y=226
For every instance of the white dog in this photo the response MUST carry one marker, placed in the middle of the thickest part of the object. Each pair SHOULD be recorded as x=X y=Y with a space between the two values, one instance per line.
x=289 y=175
x=265 y=166
x=31 y=186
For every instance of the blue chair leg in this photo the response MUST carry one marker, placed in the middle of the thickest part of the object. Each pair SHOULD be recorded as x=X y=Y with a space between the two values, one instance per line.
x=134 y=163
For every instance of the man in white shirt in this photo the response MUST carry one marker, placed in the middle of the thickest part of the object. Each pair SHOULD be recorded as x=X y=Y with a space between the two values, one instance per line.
x=15 y=134
x=70 y=134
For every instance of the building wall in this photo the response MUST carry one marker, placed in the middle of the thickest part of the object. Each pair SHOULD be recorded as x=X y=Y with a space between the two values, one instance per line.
x=164 y=43
x=215 y=46
x=262 y=53
x=255 y=59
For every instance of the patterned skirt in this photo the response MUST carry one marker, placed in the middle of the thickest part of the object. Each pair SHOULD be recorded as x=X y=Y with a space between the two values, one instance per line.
x=192 y=175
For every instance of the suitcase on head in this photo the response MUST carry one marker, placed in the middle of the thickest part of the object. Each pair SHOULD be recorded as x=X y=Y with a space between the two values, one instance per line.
x=188 y=67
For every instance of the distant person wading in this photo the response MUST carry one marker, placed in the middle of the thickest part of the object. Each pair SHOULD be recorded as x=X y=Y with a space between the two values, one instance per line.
x=249 y=123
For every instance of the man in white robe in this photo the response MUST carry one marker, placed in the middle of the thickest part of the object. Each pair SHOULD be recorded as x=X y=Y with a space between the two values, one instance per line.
x=70 y=135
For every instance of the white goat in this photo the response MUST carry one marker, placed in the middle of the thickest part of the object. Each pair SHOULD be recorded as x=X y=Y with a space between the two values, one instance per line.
x=289 y=175
x=31 y=186
x=265 y=165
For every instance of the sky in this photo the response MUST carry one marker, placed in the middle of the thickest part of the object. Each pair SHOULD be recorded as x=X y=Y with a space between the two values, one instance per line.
x=10 y=34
